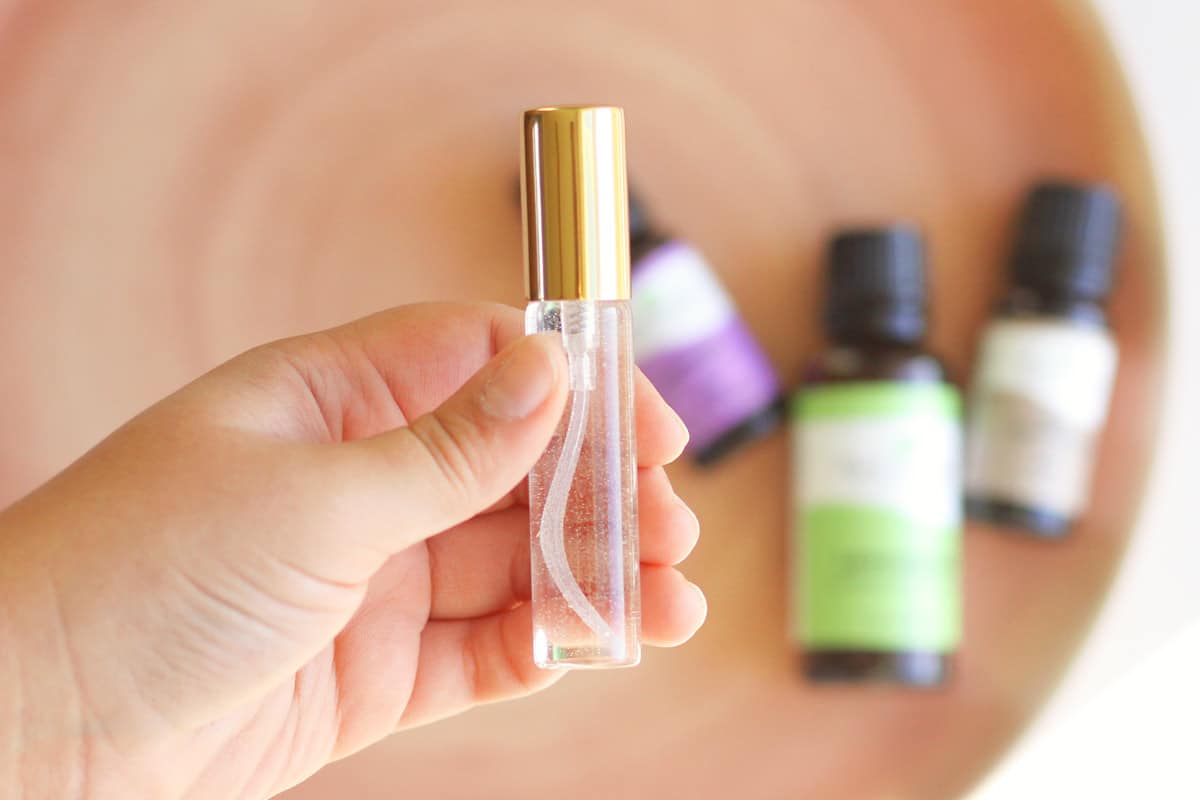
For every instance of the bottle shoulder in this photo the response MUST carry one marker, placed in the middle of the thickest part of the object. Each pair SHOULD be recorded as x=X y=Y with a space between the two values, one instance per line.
x=1023 y=305
x=845 y=364
x=646 y=243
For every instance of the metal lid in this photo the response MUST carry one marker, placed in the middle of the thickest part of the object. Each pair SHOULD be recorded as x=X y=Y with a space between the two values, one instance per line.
x=575 y=203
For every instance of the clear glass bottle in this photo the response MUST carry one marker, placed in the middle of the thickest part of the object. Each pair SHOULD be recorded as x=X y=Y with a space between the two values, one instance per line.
x=583 y=490
x=582 y=496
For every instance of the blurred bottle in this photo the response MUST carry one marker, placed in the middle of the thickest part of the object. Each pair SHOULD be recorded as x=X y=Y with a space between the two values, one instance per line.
x=877 y=473
x=1042 y=383
x=695 y=348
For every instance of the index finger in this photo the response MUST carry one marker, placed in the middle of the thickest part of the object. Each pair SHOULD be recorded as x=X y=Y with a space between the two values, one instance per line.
x=661 y=435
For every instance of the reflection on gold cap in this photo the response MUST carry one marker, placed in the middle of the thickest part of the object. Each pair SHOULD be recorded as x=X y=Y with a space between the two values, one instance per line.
x=575 y=204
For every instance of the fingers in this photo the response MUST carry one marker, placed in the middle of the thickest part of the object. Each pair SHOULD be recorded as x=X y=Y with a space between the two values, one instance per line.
x=468 y=453
x=373 y=655
x=672 y=608
x=482 y=566
x=661 y=434
x=467 y=662
x=669 y=529
x=424 y=352
x=457 y=460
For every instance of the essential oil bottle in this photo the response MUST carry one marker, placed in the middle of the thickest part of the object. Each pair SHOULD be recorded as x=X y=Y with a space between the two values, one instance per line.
x=695 y=348
x=1041 y=388
x=877 y=463
x=583 y=490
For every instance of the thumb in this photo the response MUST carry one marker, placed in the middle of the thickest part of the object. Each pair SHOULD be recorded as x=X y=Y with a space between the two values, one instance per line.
x=459 y=459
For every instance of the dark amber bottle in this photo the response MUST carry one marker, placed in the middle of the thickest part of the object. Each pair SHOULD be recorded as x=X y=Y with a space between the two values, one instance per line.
x=695 y=347
x=877 y=477
x=1039 y=398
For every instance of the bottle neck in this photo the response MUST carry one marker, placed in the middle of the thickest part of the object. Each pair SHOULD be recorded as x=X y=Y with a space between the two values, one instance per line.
x=642 y=243
x=876 y=323
x=868 y=339
x=1024 y=302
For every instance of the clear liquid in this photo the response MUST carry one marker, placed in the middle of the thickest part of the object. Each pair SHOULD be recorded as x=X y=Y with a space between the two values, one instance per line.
x=599 y=530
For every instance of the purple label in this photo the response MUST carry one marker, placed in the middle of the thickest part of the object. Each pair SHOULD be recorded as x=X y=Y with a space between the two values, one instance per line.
x=714 y=383
x=693 y=346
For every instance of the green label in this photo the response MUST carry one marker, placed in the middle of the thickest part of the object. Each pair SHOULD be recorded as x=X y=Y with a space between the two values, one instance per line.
x=876 y=580
x=879 y=523
x=877 y=399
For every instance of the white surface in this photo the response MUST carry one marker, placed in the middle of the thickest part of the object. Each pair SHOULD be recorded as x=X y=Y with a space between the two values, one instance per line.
x=1124 y=722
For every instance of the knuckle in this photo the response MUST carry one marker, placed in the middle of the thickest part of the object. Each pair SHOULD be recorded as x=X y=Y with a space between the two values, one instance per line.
x=456 y=449
x=470 y=667
x=517 y=662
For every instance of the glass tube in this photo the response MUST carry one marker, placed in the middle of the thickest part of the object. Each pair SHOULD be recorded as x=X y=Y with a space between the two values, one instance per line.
x=583 y=496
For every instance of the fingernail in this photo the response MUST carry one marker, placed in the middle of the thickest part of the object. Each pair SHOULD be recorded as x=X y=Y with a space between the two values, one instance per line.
x=683 y=428
x=703 y=602
x=684 y=434
x=524 y=378
x=695 y=520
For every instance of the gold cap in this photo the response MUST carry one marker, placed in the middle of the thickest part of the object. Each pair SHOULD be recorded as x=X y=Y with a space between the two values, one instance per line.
x=575 y=204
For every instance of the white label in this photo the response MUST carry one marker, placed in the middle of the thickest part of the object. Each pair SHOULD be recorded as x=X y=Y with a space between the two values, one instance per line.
x=677 y=300
x=908 y=464
x=1065 y=368
x=1040 y=397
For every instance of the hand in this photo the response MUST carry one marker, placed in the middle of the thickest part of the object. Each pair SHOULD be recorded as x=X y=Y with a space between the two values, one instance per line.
x=320 y=542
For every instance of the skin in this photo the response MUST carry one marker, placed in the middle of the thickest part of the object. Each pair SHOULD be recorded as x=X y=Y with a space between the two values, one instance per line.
x=319 y=543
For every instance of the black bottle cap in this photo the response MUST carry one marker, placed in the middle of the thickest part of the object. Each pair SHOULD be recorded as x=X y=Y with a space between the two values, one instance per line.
x=876 y=285
x=1067 y=239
